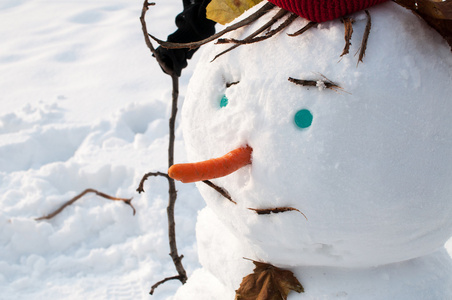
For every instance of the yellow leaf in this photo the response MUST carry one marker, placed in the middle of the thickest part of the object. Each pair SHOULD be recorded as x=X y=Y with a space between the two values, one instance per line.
x=224 y=11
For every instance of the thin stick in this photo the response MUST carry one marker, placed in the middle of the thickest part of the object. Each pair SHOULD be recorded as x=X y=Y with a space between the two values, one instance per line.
x=172 y=193
x=163 y=281
x=365 y=38
x=259 y=13
x=140 y=188
x=348 y=31
x=220 y=190
x=177 y=260
x=269 y=34
x=146 y=5
x=304 y=29
x=127 y=201
x=281 y=13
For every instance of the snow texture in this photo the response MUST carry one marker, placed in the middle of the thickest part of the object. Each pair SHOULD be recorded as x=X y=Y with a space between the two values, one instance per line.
x=84 y=105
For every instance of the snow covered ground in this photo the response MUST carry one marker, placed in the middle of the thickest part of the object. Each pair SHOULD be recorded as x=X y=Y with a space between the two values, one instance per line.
x=84 y=105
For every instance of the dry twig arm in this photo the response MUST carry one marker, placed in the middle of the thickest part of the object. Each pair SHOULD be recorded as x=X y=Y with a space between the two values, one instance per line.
x=127 y=201
x=177 y=259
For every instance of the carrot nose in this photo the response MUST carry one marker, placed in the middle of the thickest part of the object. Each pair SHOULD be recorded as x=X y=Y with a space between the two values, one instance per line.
x=212 y=168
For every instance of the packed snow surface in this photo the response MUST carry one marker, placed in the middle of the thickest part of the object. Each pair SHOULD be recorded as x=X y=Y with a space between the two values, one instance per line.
x=368 y=161
x=84 y=105
x=370 y=168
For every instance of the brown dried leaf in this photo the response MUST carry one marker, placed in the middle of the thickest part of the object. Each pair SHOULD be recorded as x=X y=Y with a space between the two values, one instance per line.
x=434 y=8
x=268 y=283
x=438 y=14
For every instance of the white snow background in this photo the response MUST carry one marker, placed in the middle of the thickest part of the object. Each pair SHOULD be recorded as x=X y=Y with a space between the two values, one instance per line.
x=84 y=105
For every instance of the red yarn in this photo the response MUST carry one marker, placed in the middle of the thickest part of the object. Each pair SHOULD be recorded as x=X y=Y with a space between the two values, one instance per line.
x=324 y=10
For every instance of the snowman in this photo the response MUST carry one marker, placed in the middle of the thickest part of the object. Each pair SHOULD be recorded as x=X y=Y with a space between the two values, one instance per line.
x=345 y=179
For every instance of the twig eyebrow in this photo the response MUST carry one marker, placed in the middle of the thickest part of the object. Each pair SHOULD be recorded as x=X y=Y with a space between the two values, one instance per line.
x=307 y=82
x=229 y=84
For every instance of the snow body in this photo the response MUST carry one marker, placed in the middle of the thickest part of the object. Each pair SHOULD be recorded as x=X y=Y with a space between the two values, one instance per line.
x=372 y=173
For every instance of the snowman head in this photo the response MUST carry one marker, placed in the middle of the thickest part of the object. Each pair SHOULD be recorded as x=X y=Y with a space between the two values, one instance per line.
x=369 y=164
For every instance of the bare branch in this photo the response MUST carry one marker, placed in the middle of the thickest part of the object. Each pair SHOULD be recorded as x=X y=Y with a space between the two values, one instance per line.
x=146 y=5
x=177 y=260
x=172 y=186
x=140 y=188
x=348 y=28
x=365 y=38
x=220 y=190
x=163 y=281
x=269 y=34
x=304 y=29
x=127 y=201
x=259 y=13
x=281 y=13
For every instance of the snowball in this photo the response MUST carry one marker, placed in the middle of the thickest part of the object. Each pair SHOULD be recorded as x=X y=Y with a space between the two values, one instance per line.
x=372 y=172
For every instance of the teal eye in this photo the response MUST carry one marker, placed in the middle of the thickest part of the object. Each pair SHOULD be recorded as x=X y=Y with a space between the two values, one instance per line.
x=224 y=101
x=303 y=118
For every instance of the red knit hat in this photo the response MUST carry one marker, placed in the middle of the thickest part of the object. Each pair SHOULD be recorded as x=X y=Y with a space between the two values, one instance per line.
x=324 y=10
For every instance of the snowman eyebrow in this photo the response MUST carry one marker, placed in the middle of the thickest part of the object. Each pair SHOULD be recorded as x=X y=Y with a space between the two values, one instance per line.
x=321 y=83
x=229 y=84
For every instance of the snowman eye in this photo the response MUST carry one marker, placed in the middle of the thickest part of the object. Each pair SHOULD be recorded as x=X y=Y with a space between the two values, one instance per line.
x=303 y=118
x=224 y=101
